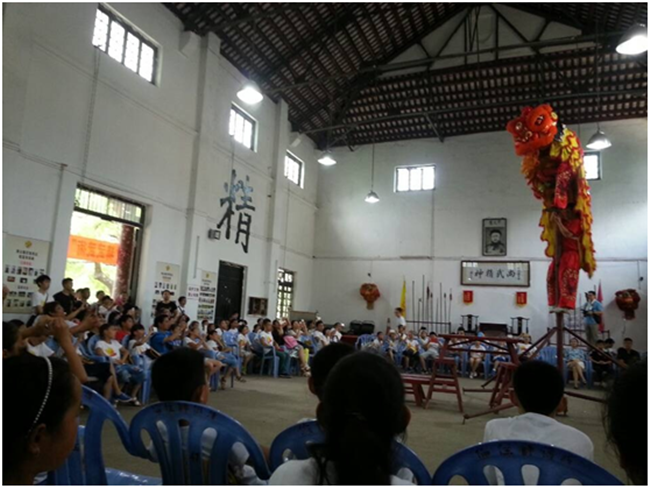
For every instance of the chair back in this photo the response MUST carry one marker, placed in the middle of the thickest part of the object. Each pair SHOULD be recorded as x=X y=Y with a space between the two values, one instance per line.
x=555 y=465
x=89 y=468
x=125 y=341
x=92 y=343
x=363 y=340
x=182 y=451
x=298 y=438
x=548 y=354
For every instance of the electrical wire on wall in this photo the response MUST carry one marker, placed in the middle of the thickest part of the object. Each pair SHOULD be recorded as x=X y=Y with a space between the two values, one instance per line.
x=91 y=115
x=286 y=228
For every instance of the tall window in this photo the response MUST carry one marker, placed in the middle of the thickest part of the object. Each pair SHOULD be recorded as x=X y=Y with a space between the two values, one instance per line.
x=242 y=127
x=415 y=178
x=124 y=43
x=293 y=169
x=285 y=292
x=592 y=165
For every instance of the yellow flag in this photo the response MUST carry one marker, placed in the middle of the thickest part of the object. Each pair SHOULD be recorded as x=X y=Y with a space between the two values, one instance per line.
x=402 y=302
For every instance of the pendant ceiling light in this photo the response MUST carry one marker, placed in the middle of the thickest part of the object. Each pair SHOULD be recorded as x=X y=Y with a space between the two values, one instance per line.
x=326 y=159
x=634 y=41
x=599 y=140
x=372 y=197
x=250 y=93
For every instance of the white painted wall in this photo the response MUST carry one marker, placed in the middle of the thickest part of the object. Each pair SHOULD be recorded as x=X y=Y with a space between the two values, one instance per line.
x=72 y=114
x=477 y=177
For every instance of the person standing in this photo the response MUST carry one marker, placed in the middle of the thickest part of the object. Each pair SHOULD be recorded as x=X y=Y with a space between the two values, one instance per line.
x=166 y=304
x=42 y=295
x=67 y=300
x=593 y=312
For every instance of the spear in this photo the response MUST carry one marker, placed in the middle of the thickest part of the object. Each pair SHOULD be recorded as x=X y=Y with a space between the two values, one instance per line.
x=450 y=301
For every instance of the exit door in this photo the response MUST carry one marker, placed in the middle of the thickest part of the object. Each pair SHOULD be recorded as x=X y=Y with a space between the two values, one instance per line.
x=230 y=290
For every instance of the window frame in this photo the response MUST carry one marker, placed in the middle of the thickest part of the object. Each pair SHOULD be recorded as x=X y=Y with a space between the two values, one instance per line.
x=129 y=28
x=598 y=155
x=410 y=167
x=247 y=118
x=301 y=173
x=284 y=287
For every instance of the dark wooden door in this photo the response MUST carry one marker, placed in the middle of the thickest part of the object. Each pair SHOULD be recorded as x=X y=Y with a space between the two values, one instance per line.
x=230 y=290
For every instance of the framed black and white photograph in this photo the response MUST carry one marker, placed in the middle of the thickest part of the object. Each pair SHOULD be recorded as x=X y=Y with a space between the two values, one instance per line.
x=495 y=234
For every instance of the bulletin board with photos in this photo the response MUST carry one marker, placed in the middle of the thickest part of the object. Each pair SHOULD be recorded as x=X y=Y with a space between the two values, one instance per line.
x=207 y=296
x=24 y=260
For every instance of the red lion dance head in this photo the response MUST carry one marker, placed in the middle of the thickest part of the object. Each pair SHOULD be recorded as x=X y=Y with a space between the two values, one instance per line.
x=628 y=302
x=533 y=129
x=370 y=294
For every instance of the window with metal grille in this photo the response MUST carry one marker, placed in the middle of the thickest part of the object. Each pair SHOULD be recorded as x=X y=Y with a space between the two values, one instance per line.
x=592 y=165
x=415 y=178
x=285 y=292
x=242 y=127
x=293 y=169
x=124 y=43
x=92 y=202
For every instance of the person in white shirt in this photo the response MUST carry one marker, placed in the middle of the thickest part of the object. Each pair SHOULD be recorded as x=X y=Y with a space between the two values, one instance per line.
x=429 y=346
x=538 y=390
x=476 y=357
x=245 y=350
x=338 y=332
x=126 y=373
x=267 y=342
x=318 y=335
x=399 y=316
x=107 y=307
x=412 y=352
x=41 y=296
x=139 y=343
x=361 y=412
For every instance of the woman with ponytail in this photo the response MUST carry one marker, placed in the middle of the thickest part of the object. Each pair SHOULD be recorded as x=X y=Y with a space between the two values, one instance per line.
x=362 y=411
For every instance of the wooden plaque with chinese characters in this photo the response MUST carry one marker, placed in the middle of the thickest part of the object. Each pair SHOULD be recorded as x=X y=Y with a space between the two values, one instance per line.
x=495 y=273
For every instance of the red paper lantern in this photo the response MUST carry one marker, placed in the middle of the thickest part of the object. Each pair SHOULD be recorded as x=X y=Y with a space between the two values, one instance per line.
x=370 y=294
x=468 y=297
x=522 y=298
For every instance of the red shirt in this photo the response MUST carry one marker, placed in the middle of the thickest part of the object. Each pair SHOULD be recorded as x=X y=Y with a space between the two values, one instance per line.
x=121 y=334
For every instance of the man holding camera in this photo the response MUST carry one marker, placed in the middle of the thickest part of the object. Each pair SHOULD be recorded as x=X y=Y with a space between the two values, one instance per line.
x=592 y=311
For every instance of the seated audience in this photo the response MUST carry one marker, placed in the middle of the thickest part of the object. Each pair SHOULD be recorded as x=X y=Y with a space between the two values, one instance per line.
x=626 y=421
x=538 y=390
x=162 y=340
x=429 y=347
x=245 y=350
x=412 y=352
x=361 y=412
x=318 y=336
x=181 y=376
x=338 y=332
x=523 y=347
x=139 y=343
x=609 y=347
x=67 y=300
x=576 y=359
x=476 y=357
x=127 y=373
x=268 y=345
x=126 y=324
x=626 y=356
x=224 y=354
x=601 y=363
x=40 y=422
x=107 y=307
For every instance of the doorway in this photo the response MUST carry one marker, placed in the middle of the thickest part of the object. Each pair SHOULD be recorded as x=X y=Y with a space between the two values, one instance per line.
x=104 y=245
x=230 y=290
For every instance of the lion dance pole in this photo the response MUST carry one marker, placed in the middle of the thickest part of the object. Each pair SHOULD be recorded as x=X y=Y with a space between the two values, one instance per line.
x=554 y=170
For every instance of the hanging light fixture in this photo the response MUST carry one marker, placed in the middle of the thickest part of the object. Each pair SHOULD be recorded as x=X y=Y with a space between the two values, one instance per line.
x=372 y=197
x=634 y=41
x=326 y=159
x=599 y=140
x=250 y=93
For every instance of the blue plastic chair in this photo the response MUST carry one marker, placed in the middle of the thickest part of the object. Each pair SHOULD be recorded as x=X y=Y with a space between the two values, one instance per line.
x=298 y=439
x=267 y=357
x=555 y=465
x=184 y=465
x=85 y=465
x=363 y=340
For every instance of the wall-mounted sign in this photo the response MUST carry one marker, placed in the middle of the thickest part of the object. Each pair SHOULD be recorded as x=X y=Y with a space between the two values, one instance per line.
x=167 y=278
x=495 y=273
x=93 y=250
x=495 y=235
x=244 y=209
x=522 y=298
x=24 y=260
x=468 y=297
x=207 y=296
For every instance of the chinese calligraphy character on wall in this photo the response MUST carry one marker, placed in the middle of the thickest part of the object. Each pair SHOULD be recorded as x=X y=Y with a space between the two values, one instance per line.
x=238 y=190
x=495 y=273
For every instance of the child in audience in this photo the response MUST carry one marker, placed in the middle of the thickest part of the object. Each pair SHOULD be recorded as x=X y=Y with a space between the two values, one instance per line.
x=575 y=360
x=40 y=421
x=476 y=357
x=139 y=343
x=268 y=344
x=429 y=347
x=601 y=363
x=522 y=347
x=107 y=307
x=377 y=344
x=361 y=412
x=411 y=353
x=224 y=354
x=318 y=336
x=626 y=421
x=538 y=390
x=338 y=332
x=119 y=356
x=41 y=296
x=609 y=347
x=126 y=324
x=245 y=349
x=391 y=345
x=181 y=376
x=162 y=340
x=193 y=339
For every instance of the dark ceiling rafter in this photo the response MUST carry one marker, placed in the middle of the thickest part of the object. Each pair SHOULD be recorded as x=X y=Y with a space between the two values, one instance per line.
x=335 y=64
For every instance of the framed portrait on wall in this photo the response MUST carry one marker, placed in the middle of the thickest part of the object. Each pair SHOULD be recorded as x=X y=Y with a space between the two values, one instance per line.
x=495 y=237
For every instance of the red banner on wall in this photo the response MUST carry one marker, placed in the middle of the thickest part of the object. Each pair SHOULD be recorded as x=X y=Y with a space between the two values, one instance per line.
x=468 y=296
x=522 y=298
x=93 y=250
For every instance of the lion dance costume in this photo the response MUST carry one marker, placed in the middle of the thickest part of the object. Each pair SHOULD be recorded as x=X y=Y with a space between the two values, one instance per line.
x=553 y=167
